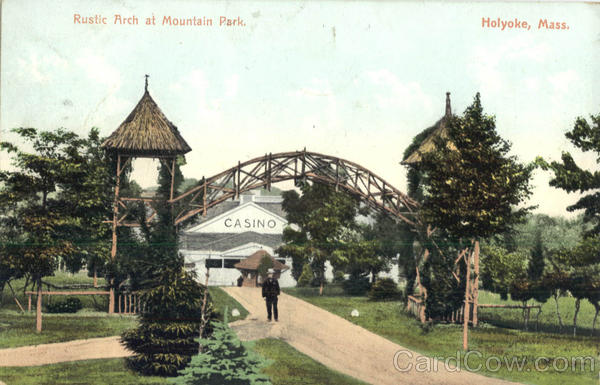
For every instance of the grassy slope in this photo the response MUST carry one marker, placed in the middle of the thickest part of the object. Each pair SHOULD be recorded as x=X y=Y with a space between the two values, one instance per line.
x=102 y=372
x=389 y=320
x=222 y=300
x=289 y=366
x=17 y=329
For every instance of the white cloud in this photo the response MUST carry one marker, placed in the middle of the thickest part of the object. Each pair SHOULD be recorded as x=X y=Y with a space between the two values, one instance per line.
x=563 y=81
x=491 y=63
x=99 y=70
x=41 y=68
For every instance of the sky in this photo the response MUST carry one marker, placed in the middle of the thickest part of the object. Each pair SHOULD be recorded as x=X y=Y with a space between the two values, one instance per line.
x=357 y=80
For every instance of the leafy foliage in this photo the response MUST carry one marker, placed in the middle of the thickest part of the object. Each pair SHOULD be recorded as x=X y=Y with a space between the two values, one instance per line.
x=306 y=277
x=318 y=219
x=570 y=177
x=473 y=191
x=164 y=341
x=384 y=289
x=51 y=206
x=67 y=305
x=356 y=284
x=224 y=360
x=265 y=264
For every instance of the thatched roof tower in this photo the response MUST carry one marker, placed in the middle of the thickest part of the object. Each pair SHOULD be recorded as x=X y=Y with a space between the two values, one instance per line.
x=147 y=132
x=438 y=130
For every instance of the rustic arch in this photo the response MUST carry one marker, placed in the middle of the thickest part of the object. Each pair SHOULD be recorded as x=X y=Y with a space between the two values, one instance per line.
x=299 y=165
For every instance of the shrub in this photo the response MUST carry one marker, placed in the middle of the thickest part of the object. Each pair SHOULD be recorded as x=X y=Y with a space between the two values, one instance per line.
x=338 y=276
x=384 y=288
x=224 y=360
x=165 y=340
x=306 y=277
x=68 y=305
x=356 y=285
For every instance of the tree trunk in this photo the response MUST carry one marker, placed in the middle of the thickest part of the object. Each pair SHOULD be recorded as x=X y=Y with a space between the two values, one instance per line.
x=560 y=321
x=475 y=289
x=321 y=287
x=38 y=310
x=577 y=303
x=467 y=304
x=95 y=277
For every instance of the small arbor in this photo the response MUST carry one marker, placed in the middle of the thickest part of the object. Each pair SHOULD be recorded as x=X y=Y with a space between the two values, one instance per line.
x=249 y=268
x=145 y=133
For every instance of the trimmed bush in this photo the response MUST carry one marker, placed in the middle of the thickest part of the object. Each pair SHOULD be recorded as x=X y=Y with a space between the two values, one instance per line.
x=166 y=338
x=68 y=305
x=384 y=289
x=356 y=285
x=306 y=277
x=338 y=276
x=224 y=360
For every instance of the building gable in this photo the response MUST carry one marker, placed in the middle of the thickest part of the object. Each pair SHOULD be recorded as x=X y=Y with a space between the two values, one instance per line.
x=246 y=217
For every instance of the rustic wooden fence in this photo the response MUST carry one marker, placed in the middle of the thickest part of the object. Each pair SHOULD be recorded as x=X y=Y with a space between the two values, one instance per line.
x=415 y=307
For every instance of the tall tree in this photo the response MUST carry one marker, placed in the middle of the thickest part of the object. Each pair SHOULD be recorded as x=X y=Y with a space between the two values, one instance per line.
x=473 y=187
x=570 y=177
x=317 y=221
x=36 y=211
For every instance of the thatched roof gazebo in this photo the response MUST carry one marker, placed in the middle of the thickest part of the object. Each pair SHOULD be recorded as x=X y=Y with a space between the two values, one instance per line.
x=147 y=132
x=438 y=130
x=249 y=267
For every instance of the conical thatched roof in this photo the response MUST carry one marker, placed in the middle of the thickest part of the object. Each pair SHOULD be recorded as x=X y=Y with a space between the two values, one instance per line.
x=253 y=261
x=438 y=130
x=147 y=132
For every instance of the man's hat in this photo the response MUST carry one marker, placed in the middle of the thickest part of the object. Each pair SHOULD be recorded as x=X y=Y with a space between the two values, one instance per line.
x=270 y=271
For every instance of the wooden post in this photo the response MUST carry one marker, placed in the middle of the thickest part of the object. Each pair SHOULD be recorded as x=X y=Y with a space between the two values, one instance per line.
x=476 y=283
x=113 y=251
x=95 y=277
x=29 y=302
x=467 y=308
x=38 y=310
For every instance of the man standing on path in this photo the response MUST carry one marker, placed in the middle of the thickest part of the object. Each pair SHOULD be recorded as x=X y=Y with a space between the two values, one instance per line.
x=270 y=291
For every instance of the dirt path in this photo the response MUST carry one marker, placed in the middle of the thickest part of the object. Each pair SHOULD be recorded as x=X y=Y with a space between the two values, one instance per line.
x=89 y=349
x=341 y=345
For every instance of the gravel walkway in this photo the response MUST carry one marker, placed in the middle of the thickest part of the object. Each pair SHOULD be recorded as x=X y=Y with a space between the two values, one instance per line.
x=108 y=347
x=341 y=345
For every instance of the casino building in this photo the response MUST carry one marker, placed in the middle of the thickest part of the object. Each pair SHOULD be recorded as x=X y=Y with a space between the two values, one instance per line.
x=232 y=231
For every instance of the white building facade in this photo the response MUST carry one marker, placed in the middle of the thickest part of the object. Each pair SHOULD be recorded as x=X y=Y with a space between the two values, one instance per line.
x=232 y=231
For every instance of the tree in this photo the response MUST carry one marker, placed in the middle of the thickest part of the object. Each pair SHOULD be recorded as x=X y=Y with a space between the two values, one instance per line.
x=472 y=189
x=164 y=340
x=38 y=215
x=224 y=360
x=317 y=221
x=394 y=239
x=265 y=264
x=570 y=177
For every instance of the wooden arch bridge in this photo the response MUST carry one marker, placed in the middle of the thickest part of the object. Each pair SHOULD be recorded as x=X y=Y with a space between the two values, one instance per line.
x=298 y=166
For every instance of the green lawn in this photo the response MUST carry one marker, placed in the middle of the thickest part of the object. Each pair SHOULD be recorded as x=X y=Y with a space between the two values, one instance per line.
x=102 y=372
x=389 y=320
x=18 y=329
x=548 y=321
x=290 y=367
x=222 y=300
